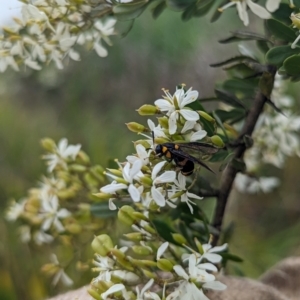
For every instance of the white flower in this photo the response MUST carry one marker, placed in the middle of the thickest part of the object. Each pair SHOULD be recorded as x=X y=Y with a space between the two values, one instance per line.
x=157 y=130
x=51 y=213
x=161 y=250
x=62 y=153
x=241 y=6
x=272 y=5
x=157 y=193
x=140 y=294
x=60 y=275
x=180 y=184
x=113 y=289
x=210 y=253
x=252 y=185
x=174 y=106
x=188 y=289
x=15 y=210
x=141 y=155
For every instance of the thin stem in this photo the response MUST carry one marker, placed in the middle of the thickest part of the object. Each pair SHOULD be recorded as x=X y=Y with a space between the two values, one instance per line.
x=231 y=172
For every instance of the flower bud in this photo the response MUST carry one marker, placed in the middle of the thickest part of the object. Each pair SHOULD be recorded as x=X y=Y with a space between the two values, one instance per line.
x=139 y=216
x=217 y=141
x=165 y=265
x=143 y=143
x=102 y=244
x=135 y=236
x=115 y=172
x=178 y=194
x=206 y=116
x=125 y=215
x=136 y=127
x=48 y=144
x=295 y=20
x=163 y=122
x=148 y=110
x=141 y=250
x=128 y=278
x=83 y=157
x=91 y=180
x=149 y=229
x=94 y=293
x=179 y=238
x=199 y=246
x=102 y=196
x=77 y=168
x=118 y=253
x=146 y=181
x=231 y=130
x=149 y=274
x=126 y=264
x=160 y=140
x=142 y=262
x=73 y=228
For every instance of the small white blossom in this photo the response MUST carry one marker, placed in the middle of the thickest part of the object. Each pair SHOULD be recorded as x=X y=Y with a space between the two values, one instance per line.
x=253 y=185
x=175 y=106
x=60 y=274
x=62 y=153
x=180 y=185
x=51 y=214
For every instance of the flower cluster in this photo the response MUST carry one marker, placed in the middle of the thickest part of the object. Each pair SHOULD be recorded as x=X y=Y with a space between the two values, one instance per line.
x=50 y=29
x=55 y=209
x=276 y=137
x=126 y=277
x=145 y=178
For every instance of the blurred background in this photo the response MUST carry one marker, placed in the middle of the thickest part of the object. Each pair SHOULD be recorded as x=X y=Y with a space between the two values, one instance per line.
x=90 y=101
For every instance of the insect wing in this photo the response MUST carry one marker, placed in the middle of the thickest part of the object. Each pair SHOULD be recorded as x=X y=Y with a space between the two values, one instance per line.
x=198 y=147
x=183 y=154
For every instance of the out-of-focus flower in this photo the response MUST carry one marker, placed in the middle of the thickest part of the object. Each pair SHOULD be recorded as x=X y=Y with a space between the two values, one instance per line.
x=62 y=153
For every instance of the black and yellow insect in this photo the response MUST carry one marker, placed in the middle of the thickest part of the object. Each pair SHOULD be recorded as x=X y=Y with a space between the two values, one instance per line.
x=180 y=154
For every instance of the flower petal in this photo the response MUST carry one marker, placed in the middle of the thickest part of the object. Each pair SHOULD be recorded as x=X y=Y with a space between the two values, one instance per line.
x=134 y=193
x=158 y=197
x=258 y=10
x=189 y=115
x=272 y=5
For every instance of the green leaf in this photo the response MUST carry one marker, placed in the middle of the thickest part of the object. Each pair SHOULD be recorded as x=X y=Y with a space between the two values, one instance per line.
x=283 y=13
x=165 y=231
x=297 y=3
x=189 y=12
x=241 y=35
x=158 y=9
x=129 y=11
x=229 y=98
x=217 y=13
x=219 y=156
x=180 y=4
x=292 y=65
x=203 y=8
x=208 y=127
x=240 y=86
x=231 y=115
x=281 y=31
x=231 y=60
x=102 y=211
x=220 y=123
x=277 y=55
x=263 y=46
x=229 y=256
x=226 y=161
